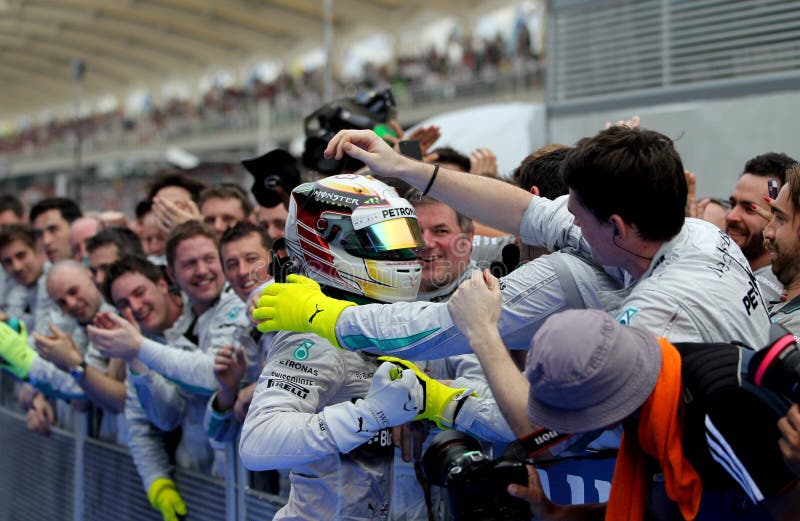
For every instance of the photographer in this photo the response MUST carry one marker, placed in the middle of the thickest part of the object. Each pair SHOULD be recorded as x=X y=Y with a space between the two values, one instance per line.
x=676 y=460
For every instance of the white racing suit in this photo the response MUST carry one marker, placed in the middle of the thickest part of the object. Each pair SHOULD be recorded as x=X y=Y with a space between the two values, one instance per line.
x=286 y=429
x=479 y=416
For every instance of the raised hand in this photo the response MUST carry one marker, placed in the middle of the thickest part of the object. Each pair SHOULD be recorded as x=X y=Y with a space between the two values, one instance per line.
x=482 y=161
x=475 y=306
x=426 y=136
x=368 y=148
x=115 y=336
x=170 y=214
x=229 y=368
x=58 y=348
x=634 y=122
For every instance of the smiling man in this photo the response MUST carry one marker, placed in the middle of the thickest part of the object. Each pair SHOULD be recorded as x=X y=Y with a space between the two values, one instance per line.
x=139 y=290
x=25 y=297
x=782 y=241
x=245 y=253
x=83 y=369
x=746 y=227
x=19 y=256
x=193 y=263
x=447 y=235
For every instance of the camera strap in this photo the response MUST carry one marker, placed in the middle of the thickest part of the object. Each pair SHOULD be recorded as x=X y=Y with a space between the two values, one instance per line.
x=426 y=489
x=534 y=444
x=279 y=267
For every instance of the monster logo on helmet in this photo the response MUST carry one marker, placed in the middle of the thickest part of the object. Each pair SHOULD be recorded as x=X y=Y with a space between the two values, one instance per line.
x=355 y=234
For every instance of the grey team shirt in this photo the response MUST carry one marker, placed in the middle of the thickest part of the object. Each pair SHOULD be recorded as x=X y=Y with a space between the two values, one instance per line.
x=698 y=288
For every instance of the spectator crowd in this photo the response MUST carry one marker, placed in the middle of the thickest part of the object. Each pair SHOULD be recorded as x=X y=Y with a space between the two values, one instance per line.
x=234 y=106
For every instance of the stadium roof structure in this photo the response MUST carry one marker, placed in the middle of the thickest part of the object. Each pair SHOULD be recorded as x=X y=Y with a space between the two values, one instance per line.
x=125 y=43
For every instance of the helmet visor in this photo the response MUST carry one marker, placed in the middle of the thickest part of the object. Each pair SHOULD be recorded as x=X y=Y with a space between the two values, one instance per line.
x=395 y=239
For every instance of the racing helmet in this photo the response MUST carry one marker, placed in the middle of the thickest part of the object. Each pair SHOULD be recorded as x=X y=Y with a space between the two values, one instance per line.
x=355 y=234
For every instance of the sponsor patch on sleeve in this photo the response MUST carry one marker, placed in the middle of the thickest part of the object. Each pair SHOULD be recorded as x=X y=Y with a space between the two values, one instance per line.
x=626 y=316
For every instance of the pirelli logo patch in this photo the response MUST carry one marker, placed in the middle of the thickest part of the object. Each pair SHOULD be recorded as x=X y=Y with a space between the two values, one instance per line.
x=290 y=386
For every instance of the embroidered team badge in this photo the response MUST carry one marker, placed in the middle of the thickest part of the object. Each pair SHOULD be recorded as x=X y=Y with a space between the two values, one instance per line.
x=301 y=352
x=626 y=316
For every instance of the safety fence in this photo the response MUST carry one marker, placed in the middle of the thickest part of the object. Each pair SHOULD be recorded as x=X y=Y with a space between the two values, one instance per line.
x=71 y=476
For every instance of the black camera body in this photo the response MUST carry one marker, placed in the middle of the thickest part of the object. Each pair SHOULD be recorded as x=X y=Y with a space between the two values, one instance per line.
x=366 y=110
x=476 y=485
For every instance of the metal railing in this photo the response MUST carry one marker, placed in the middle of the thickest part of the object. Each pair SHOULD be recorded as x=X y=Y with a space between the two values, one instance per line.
x=70 y=476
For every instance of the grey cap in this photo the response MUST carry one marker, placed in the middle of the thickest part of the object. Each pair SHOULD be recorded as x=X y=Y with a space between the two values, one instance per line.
x=588 y=372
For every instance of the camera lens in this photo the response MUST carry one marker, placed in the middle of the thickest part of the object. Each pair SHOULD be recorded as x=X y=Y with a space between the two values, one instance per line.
x=446 y=451
x=783 y=374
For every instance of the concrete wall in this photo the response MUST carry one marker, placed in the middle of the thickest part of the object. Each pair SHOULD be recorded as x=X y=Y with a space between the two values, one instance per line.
x=714 y=137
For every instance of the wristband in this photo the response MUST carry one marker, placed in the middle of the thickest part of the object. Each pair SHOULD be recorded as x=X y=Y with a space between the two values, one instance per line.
x=433 y=178
x=79 y=371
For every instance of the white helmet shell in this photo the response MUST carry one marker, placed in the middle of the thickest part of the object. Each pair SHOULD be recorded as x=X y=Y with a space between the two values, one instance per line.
x=354 y=233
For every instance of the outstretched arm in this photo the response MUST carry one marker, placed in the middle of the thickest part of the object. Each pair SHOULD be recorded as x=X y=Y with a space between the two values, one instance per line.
x=478 y=197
